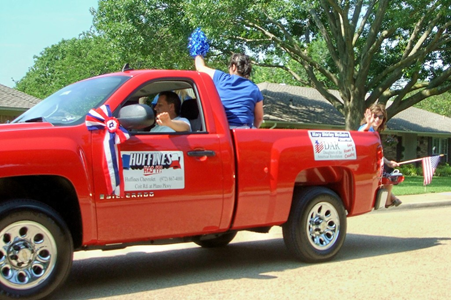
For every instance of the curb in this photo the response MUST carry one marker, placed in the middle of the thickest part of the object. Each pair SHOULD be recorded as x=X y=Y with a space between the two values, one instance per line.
x=425 y=200
x=424 y=204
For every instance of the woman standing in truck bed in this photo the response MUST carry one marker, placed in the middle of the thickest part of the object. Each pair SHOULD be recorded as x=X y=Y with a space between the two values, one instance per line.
x=241 y=98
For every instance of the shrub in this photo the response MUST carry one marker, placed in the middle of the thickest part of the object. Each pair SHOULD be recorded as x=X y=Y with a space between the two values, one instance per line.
x=409 y=170
x=443 y=170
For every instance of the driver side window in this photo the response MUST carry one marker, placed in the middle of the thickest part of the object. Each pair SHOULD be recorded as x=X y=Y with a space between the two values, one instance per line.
x=174 y=102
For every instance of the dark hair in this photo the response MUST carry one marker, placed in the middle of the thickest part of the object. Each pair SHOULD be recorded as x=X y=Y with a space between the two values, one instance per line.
x=172 y=98
x=242 y=63
x=376 y=108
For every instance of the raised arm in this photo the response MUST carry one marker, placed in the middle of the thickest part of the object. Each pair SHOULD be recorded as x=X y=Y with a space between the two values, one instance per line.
x=369 y=120
x=199 y=62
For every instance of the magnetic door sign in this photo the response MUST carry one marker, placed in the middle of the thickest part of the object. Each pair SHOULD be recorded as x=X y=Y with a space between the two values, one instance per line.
x=333 y=145
x=153 y=170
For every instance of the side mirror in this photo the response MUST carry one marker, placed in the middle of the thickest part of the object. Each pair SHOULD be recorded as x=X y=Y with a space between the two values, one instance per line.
x=136 y=116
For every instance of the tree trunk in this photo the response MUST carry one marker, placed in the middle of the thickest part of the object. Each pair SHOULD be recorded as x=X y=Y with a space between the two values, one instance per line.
x=354 y=111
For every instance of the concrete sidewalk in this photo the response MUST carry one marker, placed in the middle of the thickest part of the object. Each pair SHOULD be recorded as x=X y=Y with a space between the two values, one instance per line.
x=425 y=200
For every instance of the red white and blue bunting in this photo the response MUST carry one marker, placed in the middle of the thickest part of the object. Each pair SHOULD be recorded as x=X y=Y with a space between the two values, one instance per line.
x=114 y=134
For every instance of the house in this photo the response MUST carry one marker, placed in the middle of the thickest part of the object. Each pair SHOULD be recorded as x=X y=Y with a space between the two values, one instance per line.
x=13 y=103
x=410 y=134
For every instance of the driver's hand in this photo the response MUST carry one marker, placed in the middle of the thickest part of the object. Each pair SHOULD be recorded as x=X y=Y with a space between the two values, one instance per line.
x=163 y=119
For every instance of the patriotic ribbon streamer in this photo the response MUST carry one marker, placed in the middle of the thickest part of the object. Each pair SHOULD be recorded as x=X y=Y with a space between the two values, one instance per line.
x=114 y=134
x=198 y=43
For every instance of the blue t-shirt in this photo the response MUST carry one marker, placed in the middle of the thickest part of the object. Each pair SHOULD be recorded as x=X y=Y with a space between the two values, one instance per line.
x=239 y=96
x=370 y=130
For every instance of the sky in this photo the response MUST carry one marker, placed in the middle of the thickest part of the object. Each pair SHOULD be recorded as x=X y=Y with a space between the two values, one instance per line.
x=27 y=27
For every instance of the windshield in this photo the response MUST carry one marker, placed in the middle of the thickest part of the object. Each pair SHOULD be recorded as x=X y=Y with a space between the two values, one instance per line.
x=70 y=105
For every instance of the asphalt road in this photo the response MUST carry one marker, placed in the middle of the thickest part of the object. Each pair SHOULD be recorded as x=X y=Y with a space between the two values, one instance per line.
x=398 y=253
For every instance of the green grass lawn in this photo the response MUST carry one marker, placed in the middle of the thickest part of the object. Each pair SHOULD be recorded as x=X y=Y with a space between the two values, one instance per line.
x=413 y=185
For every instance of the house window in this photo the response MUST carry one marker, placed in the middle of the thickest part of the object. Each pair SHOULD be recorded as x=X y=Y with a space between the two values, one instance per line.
x=440 y=146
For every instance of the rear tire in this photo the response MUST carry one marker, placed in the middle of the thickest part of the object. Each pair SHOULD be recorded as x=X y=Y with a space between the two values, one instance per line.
x=316 y=228
x=220 y=241
x=35 y=250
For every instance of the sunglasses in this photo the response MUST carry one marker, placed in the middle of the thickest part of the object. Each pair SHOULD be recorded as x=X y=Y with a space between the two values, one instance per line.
x=381 y=117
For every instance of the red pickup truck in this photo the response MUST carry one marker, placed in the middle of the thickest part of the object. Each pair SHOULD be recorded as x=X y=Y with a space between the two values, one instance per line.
x=201 y=186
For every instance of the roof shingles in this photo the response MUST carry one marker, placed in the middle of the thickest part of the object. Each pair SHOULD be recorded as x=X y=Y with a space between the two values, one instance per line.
x=11 y=98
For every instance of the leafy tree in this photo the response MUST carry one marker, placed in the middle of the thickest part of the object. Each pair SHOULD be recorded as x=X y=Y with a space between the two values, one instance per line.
x=369 y=50
x=147 y=34
x=377 y=50
x=277 y=75
x=159 y=30
x=67 y=62
x=440 y=104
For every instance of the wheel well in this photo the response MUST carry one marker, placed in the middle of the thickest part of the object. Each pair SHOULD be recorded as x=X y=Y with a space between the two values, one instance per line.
x=338 y=179
x=55 y=191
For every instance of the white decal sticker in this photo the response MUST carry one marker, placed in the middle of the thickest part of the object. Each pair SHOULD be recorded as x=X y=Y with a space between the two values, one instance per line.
x=333 y=145
x=153 y=170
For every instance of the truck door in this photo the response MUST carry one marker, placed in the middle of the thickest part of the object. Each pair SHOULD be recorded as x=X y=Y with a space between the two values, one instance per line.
x=173 y=186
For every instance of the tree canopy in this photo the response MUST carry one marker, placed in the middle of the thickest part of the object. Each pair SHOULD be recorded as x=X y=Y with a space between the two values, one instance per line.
x=396 y=52
x=147 y=34
x=67 y=62
x=368 y=50
x=438 y=104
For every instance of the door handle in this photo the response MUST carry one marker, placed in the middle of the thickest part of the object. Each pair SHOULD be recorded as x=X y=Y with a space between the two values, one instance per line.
x=200 y=153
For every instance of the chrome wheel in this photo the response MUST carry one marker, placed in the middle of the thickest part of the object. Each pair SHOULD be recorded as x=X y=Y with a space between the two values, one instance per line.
x=316 y=227
x=323 y=226
x=28 y=254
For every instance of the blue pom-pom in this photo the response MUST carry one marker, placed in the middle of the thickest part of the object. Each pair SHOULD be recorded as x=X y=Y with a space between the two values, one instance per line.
x=198 y=43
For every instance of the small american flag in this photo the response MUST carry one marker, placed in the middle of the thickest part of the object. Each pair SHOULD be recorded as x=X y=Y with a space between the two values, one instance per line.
x=429 y=165
x=319 y=146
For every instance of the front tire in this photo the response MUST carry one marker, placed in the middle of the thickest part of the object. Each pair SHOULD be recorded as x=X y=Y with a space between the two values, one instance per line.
x=35 y=250
x=316 y=228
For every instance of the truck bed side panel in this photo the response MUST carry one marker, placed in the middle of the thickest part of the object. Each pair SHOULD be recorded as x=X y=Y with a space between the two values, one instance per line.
x=271 y=162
